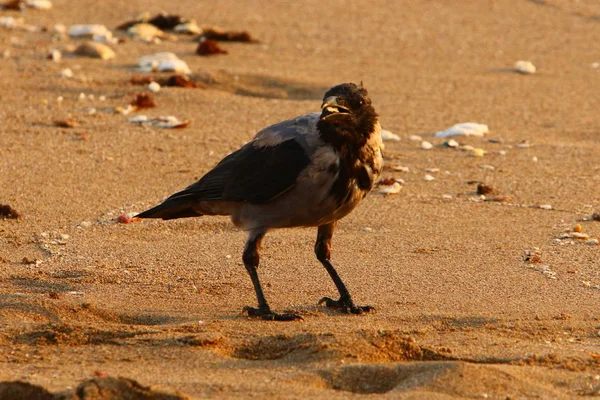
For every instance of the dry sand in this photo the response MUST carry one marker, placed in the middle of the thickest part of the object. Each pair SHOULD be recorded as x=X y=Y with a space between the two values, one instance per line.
x=459 y=311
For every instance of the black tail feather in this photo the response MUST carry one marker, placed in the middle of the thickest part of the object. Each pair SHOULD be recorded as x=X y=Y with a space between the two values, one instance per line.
x=171 y=209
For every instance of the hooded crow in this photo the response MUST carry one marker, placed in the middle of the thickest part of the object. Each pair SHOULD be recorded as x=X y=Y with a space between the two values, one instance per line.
x=309 y=171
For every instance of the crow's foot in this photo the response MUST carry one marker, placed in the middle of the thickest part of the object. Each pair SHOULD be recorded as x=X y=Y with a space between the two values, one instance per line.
x=345 y=305
x=269 y=315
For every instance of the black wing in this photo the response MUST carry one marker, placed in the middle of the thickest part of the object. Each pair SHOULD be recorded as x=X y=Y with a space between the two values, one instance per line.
x=251 y=174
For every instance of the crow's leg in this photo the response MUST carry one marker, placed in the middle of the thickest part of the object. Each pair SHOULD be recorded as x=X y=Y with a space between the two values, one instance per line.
x=323 y=252
x=251 y=259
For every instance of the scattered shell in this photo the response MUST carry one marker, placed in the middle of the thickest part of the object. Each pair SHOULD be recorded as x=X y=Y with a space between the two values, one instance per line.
x=39 y=4
x=89 y=30
x=499 y=199
x=464 y=129
x=189 y=28
x=366 y=229
x=429 y=178
x=391 y=189
x=593 y=242
x=451 y=143
x=425 y=145
x=524 y=144
x=387 y=135
x=432 y=170
x=488 y=167
x=164 y=61
x=139 y=119
x=447 y=197
x=525 y=67
x=534 y=159
x=209 y=47
x=400 y=168
x=477 y=152
x=66 y=73
x=415 y=138
x=154 y=87
x=146 y=32
x=105 y=38
x=95 y=50
x=171 y=122
x=545 y=207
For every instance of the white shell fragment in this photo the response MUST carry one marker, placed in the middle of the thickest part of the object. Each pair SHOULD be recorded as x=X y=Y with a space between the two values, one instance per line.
x=545 y=207
x=55 y=56
x=190 y=28
x=39 y=4
x=425 y=145
x=464 y=129
x=525 y=67
x=400 y=168
x=139 y=119
x=166 y=122
x=66 y=73
x=146 y=32
x=390 y=189
x=415 y=138
x=163 y=62
x=95 y=50
x=89 y=30
x=387 y=135
x=154 y=87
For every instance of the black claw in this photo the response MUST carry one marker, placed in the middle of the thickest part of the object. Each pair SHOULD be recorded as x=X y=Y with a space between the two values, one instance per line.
x=269 y=315
x=345 y=305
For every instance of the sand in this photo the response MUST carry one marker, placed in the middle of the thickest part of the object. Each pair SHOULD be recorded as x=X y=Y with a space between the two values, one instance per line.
x=460 y=311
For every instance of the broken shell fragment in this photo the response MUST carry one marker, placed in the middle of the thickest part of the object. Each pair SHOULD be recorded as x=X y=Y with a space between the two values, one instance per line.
x=170 y=122
x=95 y=50
x=390 y=189
x=163 y=62
x=415 y=138
x=429 y=178
x=146 y=32
x=545 y=207
x=477 y=152
x=66 y=73
x=189 y=28
x=425 y=145
x=39 y=4
x=89 y=30
x=387 y=135
x=464 y=129
x=525 y=67
x=55 y=56
x=154 y=87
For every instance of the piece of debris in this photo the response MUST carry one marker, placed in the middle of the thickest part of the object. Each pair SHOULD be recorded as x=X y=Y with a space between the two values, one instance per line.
x=68 y=122
x=7 y=212
x=425 y=145
x=221 y=35
x=484 y=189
x=87 y=30
x=390 y=189
x=182 y=81
x=165 y=61
x=167 y=122
x=188 y=28
x=525 y=67
x=545 y=207
x=209 y=47
x=143 y=100
x=95 y=50
x=145 y=32
x=464 y=129
x=154 y=87
x=387 y=135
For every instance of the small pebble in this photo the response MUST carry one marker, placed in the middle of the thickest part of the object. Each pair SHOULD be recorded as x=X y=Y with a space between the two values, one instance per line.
x=545 y=207
x=464 y=129
x=400 y=168
x=525 y=67
x=366 y=229
x=534 y=159
x=87 y=30
x=389 y=136
x=451 y=143
x=429 y=178
x=477 y=152
x=425 y=145
x=391 y=189
x=154 y=87
x=66 y=73
x=415 y=138
x=55 y=56
x=95 y=50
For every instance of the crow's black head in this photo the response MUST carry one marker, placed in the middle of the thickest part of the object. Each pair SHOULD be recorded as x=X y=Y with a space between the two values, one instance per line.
x=347 y=114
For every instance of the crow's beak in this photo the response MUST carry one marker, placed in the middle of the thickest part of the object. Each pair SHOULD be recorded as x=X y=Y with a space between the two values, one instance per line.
x=332 y=106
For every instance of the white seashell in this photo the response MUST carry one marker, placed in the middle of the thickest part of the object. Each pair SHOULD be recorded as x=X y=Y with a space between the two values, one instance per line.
x=488 y=167
x=595 y=65
x=467 y=147
x=81 y=96
x=87 y=30
x=524 y=145
x=452 y=143
x=593 y=242
x=138 y=119
x=429 y=178
x=477 y=152
x=178 y=66
x=432 y=170
x=169 y=122
x=391 y=189
x=546 y=207
x=447 y=197
x=426 y=145
x=95 y=50
x=401 y=168
x=415 y=138
x=145 y=32
x=525 y=67
x=39 y=4
x=105 y=38
x=60 y=28
x=464 y=129
x=11 y=22
x=66 y=73
x=153 y=60
x=154 y=87
x=190 y=28
x=387 y=135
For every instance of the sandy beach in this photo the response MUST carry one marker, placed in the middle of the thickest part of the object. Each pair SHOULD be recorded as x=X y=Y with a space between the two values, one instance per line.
x=493 y=295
